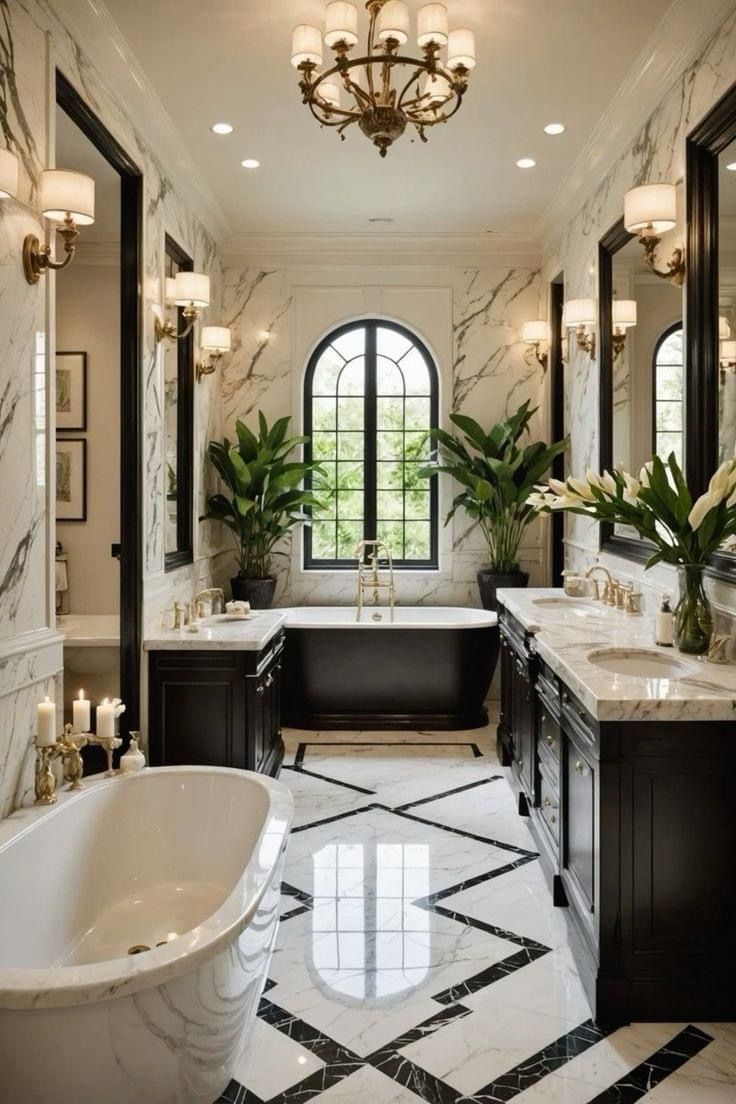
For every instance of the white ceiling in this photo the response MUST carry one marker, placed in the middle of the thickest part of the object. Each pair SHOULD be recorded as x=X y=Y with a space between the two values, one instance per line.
x=539 y=61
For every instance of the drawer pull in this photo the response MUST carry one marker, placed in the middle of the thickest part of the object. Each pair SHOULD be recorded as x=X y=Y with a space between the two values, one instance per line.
x=580 y=767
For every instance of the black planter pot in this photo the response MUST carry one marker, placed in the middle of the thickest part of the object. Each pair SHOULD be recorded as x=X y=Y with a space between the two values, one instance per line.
x=490 y=581
x=259 y=592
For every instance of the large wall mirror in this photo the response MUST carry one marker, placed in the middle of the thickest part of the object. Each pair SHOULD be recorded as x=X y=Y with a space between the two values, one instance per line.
x=711 y=309
x=178 y=424
x=643 y=374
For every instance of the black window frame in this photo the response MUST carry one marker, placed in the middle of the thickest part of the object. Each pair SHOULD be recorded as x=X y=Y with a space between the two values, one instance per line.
x=667 y=332
x=371 y=326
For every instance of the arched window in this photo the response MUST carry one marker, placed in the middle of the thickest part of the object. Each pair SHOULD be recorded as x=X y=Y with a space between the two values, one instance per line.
x=669 y=394
x=371 y=397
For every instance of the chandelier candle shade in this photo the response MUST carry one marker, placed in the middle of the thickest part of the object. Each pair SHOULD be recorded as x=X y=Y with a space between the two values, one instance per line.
x=385 y=91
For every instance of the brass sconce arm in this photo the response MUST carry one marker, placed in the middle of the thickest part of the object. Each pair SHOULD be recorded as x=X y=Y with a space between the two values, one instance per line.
x=676 y=268
x=208 y=366
x=618 y=342
x=534 y=352
x=37 y=258
x=167 y=330
x=585 y=341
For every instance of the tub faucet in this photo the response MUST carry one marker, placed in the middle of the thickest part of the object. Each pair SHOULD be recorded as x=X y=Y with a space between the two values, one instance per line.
x=368 y=573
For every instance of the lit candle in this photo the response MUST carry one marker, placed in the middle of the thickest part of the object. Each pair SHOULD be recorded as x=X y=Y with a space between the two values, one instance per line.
x=46 y=719
x=106 y=720
x=81 y=714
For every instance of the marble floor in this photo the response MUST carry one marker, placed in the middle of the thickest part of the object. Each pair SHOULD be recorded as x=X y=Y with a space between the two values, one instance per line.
x=419 y=956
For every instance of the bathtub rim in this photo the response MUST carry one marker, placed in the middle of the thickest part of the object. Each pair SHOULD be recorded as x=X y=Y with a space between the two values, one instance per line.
x=481 y=619
x=29 y=988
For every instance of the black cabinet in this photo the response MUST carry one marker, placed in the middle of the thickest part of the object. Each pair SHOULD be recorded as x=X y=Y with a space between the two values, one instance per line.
x=636 y=828
x=216 y=708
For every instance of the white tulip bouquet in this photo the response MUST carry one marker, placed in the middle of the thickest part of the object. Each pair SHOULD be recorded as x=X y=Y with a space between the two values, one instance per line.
x=657 y=504
x=660 y=507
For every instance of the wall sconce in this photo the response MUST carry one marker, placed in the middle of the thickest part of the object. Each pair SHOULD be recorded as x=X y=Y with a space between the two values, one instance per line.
x=624 y=318
x=649 y=211
x=728 y=355
x=8 y=174
x=535 y=334
x=67 y=198
x=580 y=315
x=191 y=290
x=214 y=340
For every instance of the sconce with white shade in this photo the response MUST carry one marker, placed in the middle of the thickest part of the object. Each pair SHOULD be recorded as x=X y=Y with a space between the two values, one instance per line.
x=624 y=319
x=191 y=291
x=580 y=315
x=535 y=334
x=68 y=200
x=649 y=211
x=8 y=174
x=215 y=341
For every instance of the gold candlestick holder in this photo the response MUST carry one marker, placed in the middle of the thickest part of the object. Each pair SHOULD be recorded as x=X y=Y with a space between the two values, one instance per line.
x=68 y=749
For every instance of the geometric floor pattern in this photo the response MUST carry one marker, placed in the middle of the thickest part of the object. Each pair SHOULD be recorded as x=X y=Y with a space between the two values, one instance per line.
x=420 y=958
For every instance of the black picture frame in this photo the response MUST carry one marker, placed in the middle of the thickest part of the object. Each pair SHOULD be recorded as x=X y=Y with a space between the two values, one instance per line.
x=703 y=146
x=82 y=426
x=81 y=514
x=131 y=375
x=184 y=552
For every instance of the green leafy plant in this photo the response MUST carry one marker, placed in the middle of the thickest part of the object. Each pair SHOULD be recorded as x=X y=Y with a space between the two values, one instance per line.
x=497 y=474
x=657 y=504
x=266 y=497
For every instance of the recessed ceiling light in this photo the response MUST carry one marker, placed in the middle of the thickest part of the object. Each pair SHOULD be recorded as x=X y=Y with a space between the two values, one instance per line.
x=251 y=163
x=731 y=167
x=554 y=128
x=526 y=163
x=221 y=128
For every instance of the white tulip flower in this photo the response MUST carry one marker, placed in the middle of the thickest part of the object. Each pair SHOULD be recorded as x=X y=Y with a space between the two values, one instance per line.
x=702 y=508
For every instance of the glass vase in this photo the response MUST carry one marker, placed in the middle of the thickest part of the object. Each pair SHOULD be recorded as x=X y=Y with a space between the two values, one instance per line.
x=693 y=614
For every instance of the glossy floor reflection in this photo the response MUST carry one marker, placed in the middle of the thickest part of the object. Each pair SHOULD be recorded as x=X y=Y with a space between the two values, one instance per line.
x=420 y=957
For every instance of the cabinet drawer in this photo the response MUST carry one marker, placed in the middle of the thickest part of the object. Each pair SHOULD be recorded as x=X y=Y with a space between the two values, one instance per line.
x=577 y=717
x=549 y=742
x=549 y=805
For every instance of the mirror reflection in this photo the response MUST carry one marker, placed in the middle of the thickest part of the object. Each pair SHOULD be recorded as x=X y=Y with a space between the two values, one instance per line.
x=727 y=303
x=178 y=373
x=648 y=363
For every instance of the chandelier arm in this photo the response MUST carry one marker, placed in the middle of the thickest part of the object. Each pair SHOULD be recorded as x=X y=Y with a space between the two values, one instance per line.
x=325 y=120
x=440 y=118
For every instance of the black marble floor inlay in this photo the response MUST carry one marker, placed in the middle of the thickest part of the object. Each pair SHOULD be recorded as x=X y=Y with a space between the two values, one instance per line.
x=661 y=1064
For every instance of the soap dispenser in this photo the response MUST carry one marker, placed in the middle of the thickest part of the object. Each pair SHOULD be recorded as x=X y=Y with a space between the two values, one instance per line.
x=134 y=759
x=665 y=627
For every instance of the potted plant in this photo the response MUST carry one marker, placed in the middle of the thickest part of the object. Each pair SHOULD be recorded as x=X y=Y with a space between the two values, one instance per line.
x=660 y=507
x=264 y=500
x=497 y=474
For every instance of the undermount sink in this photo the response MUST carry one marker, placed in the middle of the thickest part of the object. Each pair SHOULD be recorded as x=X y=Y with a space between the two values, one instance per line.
x=642 y=663
x=576 y=606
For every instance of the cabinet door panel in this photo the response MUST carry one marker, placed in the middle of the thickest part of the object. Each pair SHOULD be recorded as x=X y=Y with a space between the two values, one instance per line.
x=580 y=819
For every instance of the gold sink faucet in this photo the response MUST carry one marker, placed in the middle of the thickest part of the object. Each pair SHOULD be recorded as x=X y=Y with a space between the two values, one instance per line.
x=607 y=594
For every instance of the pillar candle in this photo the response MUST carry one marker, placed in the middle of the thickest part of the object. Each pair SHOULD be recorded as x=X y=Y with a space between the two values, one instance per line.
x=81 y=714
x=106 y=720
x=46 y=717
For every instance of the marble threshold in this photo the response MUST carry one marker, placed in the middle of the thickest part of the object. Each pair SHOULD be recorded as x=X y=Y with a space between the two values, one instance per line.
x=564 y=636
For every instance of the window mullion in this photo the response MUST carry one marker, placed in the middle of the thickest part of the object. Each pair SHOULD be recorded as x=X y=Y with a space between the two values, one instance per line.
x=370 y=470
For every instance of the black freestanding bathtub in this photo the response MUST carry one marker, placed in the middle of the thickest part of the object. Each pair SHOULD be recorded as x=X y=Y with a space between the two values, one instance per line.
x=428 y=668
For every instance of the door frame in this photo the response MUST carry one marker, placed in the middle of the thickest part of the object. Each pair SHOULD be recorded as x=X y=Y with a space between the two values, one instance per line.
x=131 y=484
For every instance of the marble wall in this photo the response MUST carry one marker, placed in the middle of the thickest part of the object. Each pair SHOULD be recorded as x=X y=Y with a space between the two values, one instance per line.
x=657 y=153
x=470 y=319
x=33 y=42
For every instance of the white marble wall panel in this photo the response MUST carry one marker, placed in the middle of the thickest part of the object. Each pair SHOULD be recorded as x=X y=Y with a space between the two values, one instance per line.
x=471 y=321
x=33 y=42
x=657 y=153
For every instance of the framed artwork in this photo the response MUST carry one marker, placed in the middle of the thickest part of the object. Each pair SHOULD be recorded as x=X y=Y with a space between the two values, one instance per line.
x=71 y=479
x=71 y=391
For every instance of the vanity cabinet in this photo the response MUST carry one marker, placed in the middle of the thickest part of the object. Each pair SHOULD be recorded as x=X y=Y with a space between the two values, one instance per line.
x=635 y=824
x=216 y=708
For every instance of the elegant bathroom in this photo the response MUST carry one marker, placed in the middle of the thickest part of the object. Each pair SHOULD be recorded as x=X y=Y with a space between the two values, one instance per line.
x=368 y=574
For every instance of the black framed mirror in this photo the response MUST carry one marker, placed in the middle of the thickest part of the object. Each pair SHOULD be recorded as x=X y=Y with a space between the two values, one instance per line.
x=643 y=371
x=711 y=296
x=178 y=423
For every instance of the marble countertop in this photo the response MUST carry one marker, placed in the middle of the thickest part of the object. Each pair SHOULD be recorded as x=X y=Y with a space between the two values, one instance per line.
x=564 y=639
x=221 y=634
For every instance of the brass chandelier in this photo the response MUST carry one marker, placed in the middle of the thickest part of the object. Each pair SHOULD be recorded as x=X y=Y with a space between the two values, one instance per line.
x=388 y=90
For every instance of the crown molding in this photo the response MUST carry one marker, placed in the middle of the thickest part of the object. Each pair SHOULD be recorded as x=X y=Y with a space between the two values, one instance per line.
x=298 y=249
x=98 y=34
x=675 y=44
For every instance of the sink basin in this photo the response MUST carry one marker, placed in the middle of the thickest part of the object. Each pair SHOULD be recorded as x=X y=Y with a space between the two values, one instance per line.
x=642 y=663
x=578 y=607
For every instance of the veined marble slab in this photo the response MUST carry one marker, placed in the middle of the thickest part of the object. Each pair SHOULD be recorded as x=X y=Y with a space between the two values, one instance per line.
x=249 y=635
x=565 y=642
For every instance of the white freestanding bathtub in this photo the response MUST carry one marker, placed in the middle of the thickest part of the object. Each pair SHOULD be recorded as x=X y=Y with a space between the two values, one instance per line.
x=184 y=860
